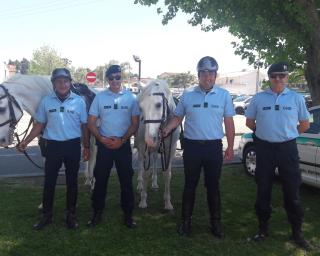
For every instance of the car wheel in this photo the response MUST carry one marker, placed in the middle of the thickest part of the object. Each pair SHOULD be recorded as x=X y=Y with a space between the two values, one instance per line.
x=249 y=160
x=239 y=111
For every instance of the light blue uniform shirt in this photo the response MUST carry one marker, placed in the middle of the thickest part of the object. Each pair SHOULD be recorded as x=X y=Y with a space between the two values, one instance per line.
x=277 y=125
x=204 y=112
x=115 y=111
x=62 y=119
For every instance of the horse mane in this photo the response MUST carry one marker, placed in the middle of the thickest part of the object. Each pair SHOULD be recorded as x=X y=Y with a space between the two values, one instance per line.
x=83 y=91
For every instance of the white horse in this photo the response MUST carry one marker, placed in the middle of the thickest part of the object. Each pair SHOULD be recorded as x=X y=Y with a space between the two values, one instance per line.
x=24 y=93
x=157 y=106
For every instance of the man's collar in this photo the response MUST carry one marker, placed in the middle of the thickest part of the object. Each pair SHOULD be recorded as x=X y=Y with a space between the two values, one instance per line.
x=285 y=91
x=111 y=92
x=70 y=96
x=212 y=90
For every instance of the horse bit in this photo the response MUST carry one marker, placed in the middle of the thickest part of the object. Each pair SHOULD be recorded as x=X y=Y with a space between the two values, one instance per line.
x=165 y=114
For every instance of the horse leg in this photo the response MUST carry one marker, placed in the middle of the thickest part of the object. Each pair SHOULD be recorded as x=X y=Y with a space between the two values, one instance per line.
x=89 y=166
x=140 y=174
x=154 y=171
x=166 y=195
x=143 y=193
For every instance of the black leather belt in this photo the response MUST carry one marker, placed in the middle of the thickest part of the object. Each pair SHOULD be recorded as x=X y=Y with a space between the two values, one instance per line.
x=203 y=142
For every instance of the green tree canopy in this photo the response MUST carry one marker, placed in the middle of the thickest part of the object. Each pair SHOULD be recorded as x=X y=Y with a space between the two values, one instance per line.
x=45 y=59
x=269 y=31
x=179 y=80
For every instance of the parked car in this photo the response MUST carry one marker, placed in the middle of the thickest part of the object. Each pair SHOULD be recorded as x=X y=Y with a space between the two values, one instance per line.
x=308 y=100
x=308 y=147
x=240 y=103
x=235 y=95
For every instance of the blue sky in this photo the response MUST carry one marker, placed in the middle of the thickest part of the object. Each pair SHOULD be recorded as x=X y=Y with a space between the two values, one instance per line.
x=92 y=32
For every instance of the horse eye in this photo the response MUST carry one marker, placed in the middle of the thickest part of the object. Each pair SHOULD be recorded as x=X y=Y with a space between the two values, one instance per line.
x=158 y=105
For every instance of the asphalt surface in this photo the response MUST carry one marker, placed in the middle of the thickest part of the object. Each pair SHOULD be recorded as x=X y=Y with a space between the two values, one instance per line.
x=15 y=164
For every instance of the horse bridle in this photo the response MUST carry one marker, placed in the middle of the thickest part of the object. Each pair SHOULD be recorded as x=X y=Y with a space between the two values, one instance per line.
x=165 y=156
x=11 y=101
x=165 y=110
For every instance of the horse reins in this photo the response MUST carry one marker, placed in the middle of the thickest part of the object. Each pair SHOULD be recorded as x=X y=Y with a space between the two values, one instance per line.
x=13 y=121
x=165 y=114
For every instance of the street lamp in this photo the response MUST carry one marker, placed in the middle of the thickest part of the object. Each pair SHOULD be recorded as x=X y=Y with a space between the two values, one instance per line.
x=137 y=59
x=5 y=70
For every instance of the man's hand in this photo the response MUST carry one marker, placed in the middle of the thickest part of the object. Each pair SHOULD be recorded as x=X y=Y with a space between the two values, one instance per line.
x=22 y=146
x=229 y=154
x=111 y=142
x=165 y=132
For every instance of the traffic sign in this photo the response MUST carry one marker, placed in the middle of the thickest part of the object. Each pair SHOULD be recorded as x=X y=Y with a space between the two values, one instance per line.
x=91 y=77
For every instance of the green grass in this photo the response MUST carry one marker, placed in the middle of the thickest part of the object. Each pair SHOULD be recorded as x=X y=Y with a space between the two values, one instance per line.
x=156 y=234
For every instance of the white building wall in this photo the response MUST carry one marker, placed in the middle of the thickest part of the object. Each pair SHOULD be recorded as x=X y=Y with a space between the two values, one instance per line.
x=241 y=82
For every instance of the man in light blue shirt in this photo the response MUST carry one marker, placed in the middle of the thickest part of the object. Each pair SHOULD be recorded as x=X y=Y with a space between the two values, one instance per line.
x=277 y=116
x=62 y=116
x=118 y=113
x=205 y=108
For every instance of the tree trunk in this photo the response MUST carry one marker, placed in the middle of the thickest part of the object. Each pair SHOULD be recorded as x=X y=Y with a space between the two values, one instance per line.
x=312 y=71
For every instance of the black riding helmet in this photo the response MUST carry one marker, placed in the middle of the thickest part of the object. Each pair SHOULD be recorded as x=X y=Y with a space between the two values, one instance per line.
x=60 y=72
x=207 y=63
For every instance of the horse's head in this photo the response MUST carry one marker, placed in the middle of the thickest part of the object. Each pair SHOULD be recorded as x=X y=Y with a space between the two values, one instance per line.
x=154 y=104
x=10 y=113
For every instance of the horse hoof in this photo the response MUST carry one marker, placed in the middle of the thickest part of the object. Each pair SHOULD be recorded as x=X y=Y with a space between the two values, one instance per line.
x=168 y=207
x=143 y=205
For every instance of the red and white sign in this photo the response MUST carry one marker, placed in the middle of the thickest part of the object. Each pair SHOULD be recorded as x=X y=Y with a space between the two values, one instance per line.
x=91 y=77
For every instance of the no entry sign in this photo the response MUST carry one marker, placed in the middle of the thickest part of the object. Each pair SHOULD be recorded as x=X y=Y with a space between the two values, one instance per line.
x=91 y=77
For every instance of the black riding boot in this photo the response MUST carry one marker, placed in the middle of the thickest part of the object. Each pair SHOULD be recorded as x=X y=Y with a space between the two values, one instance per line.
x=262 y=232
x=71 y=219
x=214 y=206
x=45 y=220
x=128 y=221
x=96 y=219
x=187 y=208
x=297 y=237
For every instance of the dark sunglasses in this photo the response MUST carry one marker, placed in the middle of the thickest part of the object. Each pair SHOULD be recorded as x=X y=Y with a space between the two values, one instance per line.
x=210 y=72
x=281 y=76
x=111 y=78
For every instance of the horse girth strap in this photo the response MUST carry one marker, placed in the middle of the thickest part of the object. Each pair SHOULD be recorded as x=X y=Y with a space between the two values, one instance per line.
x=11 y=100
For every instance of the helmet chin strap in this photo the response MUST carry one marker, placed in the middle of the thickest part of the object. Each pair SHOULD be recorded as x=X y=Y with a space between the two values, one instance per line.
x=61 y=97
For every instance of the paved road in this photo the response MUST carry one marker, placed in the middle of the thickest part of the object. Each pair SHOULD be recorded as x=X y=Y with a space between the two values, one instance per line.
x=14 y=163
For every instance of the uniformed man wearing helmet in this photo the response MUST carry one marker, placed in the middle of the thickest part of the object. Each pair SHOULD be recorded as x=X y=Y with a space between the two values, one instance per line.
x=205 y=107
x=62 y=117
x=277 y=116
